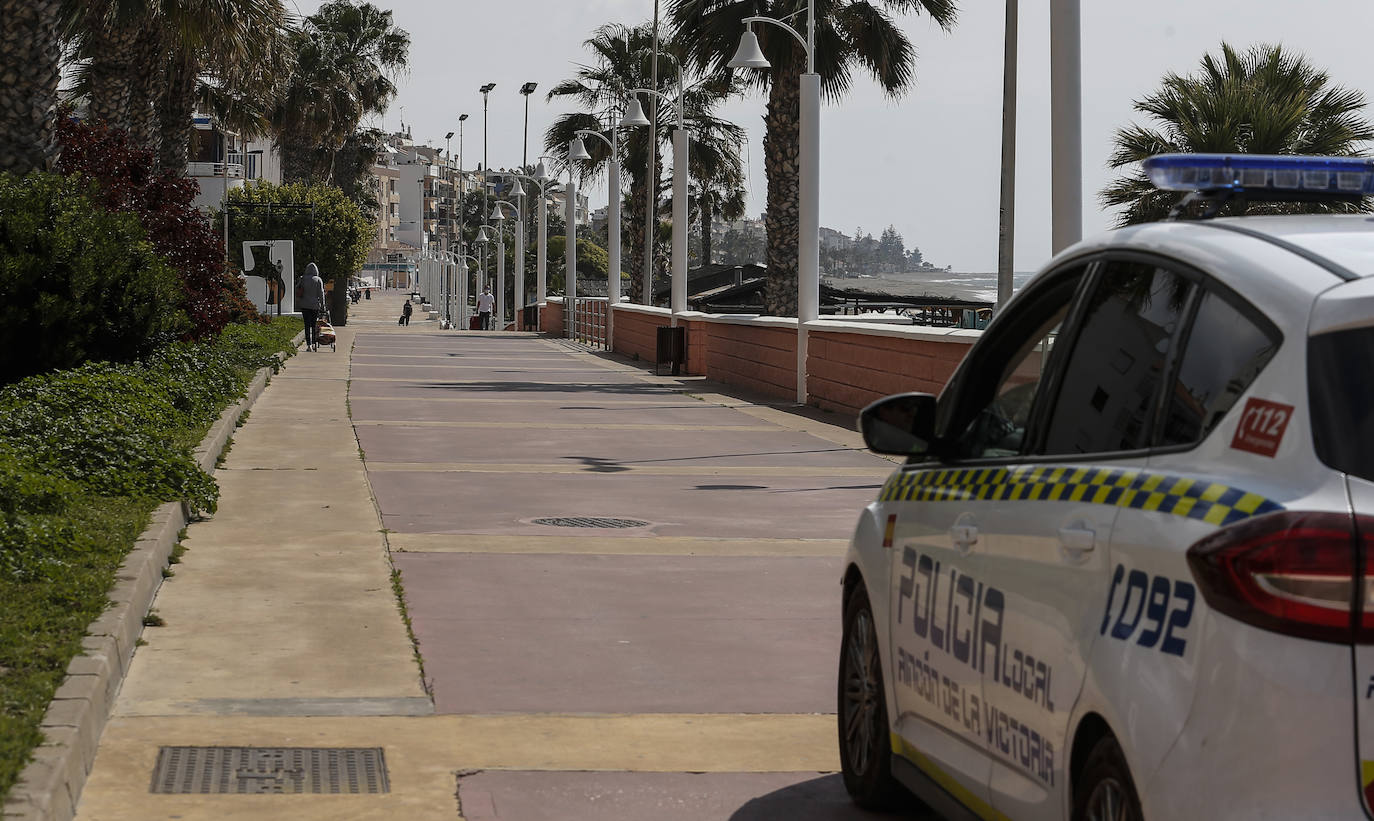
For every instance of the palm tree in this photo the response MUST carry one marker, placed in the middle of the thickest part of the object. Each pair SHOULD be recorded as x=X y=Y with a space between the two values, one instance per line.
x=347 y=55
x=146 y=63
x=624 y=62
x=30 y=60
x=850 y=35
x=1264 y=101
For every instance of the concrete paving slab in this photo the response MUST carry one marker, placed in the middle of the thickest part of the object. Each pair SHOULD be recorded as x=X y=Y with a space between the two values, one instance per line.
x=602 y=796
x=597 y=633
x=734 y=505
x=423 y=754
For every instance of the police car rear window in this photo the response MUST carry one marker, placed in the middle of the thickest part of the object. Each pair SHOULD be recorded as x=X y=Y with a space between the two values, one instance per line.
x=1340 y=387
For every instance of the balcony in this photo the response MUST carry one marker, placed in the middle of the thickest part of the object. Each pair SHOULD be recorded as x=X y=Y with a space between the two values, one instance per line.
x=216 y=169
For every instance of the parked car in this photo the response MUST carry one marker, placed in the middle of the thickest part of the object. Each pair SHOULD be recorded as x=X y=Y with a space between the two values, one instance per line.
x=1124 y=572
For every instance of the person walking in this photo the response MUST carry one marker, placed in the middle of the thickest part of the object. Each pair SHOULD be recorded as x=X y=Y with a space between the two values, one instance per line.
x=405 y=312
x=485 y=302
x=310 y=302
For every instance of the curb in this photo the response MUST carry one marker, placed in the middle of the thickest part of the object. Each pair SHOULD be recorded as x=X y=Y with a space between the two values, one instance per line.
x=49 y=787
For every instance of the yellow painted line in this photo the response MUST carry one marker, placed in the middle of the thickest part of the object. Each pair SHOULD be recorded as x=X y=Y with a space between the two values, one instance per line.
x=619 y=546
x=395 y=423
x=877 y=473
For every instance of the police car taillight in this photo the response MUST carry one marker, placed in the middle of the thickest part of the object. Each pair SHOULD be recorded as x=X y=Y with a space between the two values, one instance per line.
x=1300 y=574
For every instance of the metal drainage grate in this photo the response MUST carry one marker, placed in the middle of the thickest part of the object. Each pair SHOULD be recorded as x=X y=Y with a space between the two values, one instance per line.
x=588 y=521
x=270 y=770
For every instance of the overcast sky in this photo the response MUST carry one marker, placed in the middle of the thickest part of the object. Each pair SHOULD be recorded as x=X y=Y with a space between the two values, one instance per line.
x=927 y=163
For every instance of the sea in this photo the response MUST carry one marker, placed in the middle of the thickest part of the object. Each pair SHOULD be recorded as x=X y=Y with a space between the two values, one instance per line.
x=977 y=287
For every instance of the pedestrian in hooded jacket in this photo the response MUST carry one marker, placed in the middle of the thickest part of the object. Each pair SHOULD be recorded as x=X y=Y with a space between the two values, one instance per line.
x=310 y=302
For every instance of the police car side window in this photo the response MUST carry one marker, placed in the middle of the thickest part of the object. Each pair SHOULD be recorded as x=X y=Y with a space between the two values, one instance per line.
x=1110 y=382
x=1000 y=411
x=1224 y=353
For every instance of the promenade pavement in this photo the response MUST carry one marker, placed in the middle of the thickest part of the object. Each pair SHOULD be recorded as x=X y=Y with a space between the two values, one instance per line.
x=678 y=666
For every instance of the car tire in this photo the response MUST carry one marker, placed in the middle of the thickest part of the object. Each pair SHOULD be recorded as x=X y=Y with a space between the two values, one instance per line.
x=865 y=749
x=1104 y=790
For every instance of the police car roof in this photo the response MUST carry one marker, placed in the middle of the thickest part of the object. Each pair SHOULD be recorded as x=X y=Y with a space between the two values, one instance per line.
x=1344 y=239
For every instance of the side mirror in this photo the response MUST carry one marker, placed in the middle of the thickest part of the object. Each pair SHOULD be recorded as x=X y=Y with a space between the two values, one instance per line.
x=900 y=425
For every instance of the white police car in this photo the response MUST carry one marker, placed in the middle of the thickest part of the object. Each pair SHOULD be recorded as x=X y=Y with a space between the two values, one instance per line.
x=1125 y=572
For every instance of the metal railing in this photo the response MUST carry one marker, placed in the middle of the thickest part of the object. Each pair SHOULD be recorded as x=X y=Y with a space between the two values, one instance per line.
x=587 y=321
x=214 y=169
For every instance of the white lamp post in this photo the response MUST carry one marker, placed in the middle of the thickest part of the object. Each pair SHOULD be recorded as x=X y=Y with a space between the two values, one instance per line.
x=678 y=300
x=749 y=55
x=499 y=216
x=570 y=254
x=578 y=151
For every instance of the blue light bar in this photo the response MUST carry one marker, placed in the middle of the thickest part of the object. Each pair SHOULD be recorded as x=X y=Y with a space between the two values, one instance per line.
x=1270 y=173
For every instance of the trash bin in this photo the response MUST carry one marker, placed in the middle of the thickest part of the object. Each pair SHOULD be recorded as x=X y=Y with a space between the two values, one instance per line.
x=671 y=349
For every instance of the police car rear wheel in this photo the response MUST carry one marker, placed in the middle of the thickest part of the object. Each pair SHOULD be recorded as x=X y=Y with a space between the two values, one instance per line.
x=1105 y=791
x=865 y=753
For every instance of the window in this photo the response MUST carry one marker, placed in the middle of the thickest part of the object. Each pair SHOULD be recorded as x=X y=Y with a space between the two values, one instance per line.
x=1341 y=399
x=1004 y=380
x=1107 y=392
x=1225 y=352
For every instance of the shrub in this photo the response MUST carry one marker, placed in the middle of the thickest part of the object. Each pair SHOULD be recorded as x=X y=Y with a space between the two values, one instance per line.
x=76 y=282
x=213 y=296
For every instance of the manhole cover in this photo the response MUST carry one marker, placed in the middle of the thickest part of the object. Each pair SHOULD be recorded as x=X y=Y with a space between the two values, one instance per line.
x=588 y=521
x=270 y=770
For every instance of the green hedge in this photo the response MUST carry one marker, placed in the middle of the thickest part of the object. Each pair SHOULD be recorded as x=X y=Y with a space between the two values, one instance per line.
x=85 y=456
x=77 y=282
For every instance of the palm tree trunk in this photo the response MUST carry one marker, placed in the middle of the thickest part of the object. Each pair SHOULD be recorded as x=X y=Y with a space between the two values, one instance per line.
x=147 y=87
x=112 y=53
x=782 y=126
x=178 y=109
x=29 y=60
x=704 y=205
x=632 y=235
x=297 y=160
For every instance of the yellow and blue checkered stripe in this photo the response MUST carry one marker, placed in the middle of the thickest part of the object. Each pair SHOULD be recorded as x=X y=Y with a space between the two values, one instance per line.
x=1209 y=502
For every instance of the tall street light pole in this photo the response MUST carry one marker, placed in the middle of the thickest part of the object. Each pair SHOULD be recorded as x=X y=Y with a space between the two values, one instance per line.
x=570 y=254
x=651 y=207
x=462 y=223
x=678 y=299
x=749 y=55
x=540 y=178
x=499 y=217
x=448 y=235
x=486 y=89
x=526 y=90
x=578 y=151
x=1066 y=125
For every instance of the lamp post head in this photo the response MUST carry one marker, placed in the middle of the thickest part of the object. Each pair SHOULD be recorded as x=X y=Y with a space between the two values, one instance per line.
x=515 y=189
x=749 y=55
x=528 y=88
x=498 y=215
x=540 y=172
x=577 y=150
x=449 y=135
x=634 y=114
x=482 y=235
x=488 y=87
x=462 y=117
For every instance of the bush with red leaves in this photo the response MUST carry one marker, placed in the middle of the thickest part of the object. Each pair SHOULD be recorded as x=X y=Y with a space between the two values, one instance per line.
x=179 y=232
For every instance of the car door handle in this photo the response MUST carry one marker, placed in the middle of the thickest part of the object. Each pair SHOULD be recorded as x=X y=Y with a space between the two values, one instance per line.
x=964 y=537
x=1077 y=539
